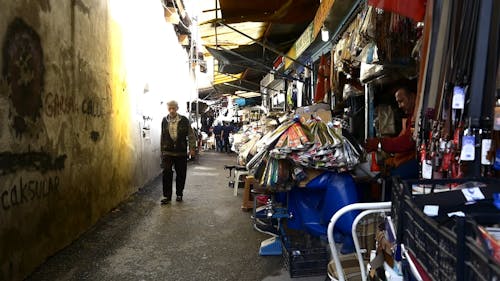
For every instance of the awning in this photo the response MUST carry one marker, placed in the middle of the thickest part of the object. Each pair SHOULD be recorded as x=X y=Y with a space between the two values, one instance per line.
x=277 y=23
x=275 y=11
x=330 y=14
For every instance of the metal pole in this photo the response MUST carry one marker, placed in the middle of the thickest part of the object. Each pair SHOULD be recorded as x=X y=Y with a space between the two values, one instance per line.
x=245 y=58
x=256 y=62
x=493 y=55
x=264 y=45
x=264 y=71
x=197 y=117
x=216 y=18
x=196 y=87
x=479 y=76
x=251 y=82
x=367 y=102
x=191 y=71
x=238 y=87
x=216 y=37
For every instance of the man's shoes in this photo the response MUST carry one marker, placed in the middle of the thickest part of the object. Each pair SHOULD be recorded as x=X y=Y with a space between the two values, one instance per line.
x=165 y=201
x=178 y=199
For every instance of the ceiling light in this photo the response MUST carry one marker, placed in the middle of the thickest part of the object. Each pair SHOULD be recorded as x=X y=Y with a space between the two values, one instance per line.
x=324 y=34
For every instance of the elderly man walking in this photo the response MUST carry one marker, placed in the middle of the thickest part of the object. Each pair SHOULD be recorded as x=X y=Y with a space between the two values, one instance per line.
x=175 y=134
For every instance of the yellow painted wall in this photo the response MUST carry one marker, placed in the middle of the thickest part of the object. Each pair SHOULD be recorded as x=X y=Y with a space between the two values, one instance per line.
x=72 y=112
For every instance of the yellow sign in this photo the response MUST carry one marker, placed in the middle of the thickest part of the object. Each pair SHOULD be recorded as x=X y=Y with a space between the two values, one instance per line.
x=304 y=41
x=300 y=45
x=224 y=78
x=321 y=15
x=310 y=33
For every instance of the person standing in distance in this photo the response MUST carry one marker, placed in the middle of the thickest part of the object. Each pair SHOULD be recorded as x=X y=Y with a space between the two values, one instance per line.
x=226 y=131
x=218 y=137
x=176 y=132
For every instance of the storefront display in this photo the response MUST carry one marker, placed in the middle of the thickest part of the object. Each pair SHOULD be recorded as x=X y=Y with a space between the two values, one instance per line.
x=379 y=50
x=295 y=145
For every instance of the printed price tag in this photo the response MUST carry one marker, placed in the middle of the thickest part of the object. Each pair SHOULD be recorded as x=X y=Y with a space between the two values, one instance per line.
x=485 y=148
x=426 y=170
x=458 y=214
x=468 y=152
x=431 y=210
x=442 y=145
x=458 y=98
x=473 y=194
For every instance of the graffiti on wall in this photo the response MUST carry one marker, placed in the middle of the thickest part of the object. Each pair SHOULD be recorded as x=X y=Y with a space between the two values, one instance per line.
x=22 y=90
x=92 y=107
x=27 y=190
x=30 y=161
x=23 y=71
x=57 y=105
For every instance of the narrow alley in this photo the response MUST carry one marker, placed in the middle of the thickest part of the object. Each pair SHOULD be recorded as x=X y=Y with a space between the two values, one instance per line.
x=206 y=237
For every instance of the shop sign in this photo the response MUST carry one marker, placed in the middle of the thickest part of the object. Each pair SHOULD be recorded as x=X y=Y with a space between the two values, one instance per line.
x=278 y=63
x=304 y=41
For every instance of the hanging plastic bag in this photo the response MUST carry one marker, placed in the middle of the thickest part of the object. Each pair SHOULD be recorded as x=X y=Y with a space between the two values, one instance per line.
x=369 y=72
x=385 y=123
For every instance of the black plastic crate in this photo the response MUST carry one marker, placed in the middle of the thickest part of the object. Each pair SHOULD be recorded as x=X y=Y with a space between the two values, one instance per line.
x=304 y=255
x=403 y=189
x=479 y=266
x=445 y=252
x=434 y=246
x=399 y=193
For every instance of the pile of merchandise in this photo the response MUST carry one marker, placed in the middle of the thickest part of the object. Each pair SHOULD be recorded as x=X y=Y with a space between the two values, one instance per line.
x=375 y=44
x=247 y=141
x=294 y=146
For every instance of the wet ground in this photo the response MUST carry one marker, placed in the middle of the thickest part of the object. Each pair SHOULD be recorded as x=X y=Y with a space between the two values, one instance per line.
x=206 y=237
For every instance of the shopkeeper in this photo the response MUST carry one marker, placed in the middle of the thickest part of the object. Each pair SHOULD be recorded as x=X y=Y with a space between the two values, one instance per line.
x=404 y=163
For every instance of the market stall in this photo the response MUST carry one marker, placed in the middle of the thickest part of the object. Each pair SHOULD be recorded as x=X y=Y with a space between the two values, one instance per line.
x=380 y=81
x=452 y=133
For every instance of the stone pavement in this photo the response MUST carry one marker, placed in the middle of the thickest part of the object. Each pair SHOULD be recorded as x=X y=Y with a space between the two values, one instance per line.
x=206 y=237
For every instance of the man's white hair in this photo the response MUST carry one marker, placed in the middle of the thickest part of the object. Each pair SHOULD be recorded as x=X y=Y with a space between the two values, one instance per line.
x=173 y=103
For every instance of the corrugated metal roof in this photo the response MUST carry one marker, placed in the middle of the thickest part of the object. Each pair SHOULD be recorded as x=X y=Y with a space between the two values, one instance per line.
x=275 y=22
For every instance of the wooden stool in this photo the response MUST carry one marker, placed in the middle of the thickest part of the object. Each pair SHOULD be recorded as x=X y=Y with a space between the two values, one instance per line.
x=247 y=203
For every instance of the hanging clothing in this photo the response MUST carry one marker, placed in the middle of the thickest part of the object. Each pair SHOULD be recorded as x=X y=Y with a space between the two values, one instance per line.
x=414 y=9
x=289 y=98
x=328 y=88
x=319 y=94
x=306 y=88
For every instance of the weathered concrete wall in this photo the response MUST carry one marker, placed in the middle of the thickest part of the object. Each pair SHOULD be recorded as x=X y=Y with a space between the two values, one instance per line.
x=81 y=92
